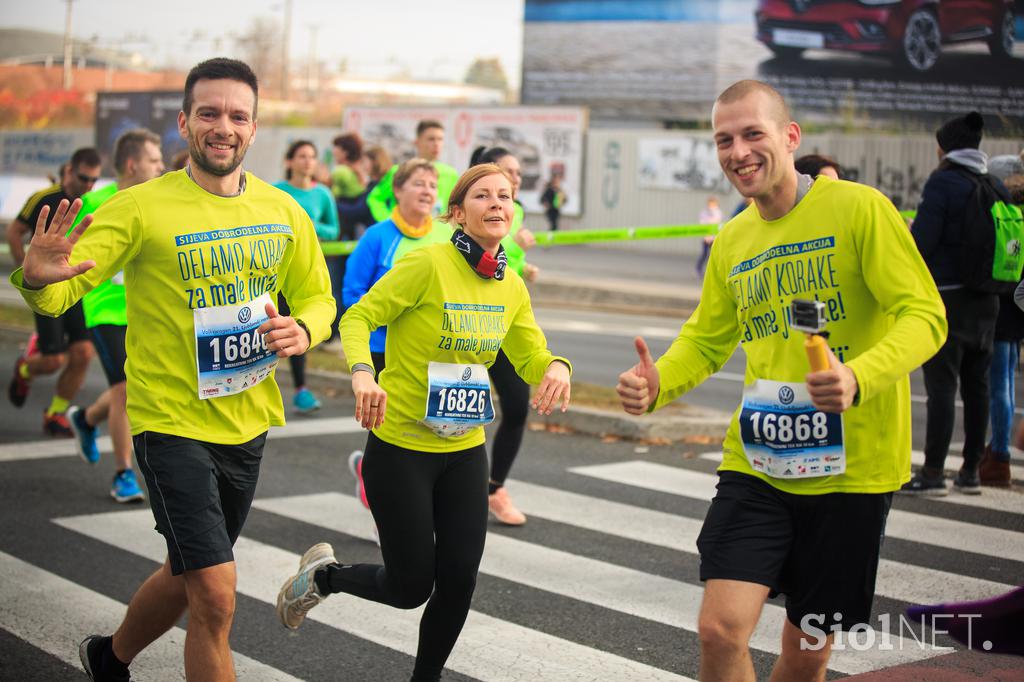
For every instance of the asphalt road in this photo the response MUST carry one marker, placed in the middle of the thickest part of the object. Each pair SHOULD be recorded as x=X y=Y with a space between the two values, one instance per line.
x=600 y=584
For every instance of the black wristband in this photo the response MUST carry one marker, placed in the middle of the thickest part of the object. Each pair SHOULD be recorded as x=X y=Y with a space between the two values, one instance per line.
x=309 y=337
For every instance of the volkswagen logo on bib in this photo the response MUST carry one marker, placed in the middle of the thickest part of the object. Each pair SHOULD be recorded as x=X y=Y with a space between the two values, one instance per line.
x=244 y=315
x=786 y=395
x=467 y=373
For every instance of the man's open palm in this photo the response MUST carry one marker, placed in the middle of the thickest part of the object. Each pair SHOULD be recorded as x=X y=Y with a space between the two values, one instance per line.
x=47 y=259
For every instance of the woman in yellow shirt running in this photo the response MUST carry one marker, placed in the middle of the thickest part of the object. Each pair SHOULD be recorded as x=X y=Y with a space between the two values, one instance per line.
x=449 y=307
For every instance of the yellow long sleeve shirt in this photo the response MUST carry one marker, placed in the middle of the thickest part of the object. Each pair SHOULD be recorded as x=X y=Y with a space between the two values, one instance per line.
x=845 y=245
x=183 y=249
x=437 y=309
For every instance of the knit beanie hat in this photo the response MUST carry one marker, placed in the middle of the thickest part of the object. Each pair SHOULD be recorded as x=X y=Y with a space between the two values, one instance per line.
x=962 y=132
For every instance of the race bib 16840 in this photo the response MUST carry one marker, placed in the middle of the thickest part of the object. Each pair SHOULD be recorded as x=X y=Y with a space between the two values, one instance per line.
x=230 y=353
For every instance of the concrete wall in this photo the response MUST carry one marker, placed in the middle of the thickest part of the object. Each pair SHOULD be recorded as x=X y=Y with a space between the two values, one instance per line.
x=612 y=195
x=897 y=165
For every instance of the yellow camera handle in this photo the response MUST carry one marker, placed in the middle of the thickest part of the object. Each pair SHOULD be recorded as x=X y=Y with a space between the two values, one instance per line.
x=817 y=352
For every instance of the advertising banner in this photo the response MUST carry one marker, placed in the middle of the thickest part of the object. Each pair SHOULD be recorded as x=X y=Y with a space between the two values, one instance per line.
x=119 y=112
x=686 y=163
x=546 y=140
x=915 y=62
x=645 y=59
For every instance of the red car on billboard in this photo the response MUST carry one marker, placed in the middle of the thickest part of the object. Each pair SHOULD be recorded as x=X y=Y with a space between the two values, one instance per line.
x=911 y=32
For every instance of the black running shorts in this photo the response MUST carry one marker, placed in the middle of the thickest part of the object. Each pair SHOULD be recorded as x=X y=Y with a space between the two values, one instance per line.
x=57 y=333
x=200 y=494
x=821 y=551
x=108 y=339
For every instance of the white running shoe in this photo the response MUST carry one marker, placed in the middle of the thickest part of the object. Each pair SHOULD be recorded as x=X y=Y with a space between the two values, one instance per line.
x=355 y=467
x=299 y=594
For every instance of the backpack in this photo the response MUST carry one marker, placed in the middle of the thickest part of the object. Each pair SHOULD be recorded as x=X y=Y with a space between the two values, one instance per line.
x=992 y=253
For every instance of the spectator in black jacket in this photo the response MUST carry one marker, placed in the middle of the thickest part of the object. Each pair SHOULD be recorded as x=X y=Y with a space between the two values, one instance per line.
x=967 y=353
x=995 y=464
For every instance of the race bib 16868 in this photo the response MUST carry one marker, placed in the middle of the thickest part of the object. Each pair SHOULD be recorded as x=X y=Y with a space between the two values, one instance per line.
x=784 y=436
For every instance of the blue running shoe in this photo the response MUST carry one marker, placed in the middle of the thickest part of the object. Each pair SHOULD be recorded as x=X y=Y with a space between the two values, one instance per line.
x=126 y=488
x=85 y=435
x=305 y=402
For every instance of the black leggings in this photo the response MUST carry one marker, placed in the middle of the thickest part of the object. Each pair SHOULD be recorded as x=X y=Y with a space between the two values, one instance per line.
x=297 y=362
x=431 y=514
x=515 y=407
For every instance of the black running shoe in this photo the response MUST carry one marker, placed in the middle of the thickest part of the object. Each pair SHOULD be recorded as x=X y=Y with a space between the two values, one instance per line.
x=968 y=482
x=922 y=485
x=90 y=651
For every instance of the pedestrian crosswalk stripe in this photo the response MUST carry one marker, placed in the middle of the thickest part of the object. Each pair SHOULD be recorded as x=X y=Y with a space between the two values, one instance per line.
x=54 y=614
x=953 y=463
x=489 y=648
x=922 y=528
x=903 y=582
x=999 y=499
x=297 y=428
x=44 y=449
x=626 y=590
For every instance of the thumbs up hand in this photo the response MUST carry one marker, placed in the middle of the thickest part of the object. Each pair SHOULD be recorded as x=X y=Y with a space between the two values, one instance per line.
x=638 y=387
x=283 y=334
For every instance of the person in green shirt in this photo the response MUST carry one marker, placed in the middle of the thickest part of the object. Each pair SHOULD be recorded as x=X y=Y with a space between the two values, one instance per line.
x=811 y=458
x=316 y=200
x=429 y=145
x=348 y=179
x=449 y=308
x=204 y=251
x=137 y=159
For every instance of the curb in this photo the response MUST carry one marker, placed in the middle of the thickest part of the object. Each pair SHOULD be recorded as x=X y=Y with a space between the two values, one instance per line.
x=614 y=300
x=679 y=424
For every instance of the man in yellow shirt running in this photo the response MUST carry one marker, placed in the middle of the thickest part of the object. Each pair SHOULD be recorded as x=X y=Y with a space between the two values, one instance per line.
x=205 y=252
x=811 y=459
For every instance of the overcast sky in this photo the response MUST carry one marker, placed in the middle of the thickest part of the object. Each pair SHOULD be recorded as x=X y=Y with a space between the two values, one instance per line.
x=430 y=38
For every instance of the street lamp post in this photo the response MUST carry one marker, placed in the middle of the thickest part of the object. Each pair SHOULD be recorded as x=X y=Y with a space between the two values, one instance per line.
x=67 y=45
x=285 y=48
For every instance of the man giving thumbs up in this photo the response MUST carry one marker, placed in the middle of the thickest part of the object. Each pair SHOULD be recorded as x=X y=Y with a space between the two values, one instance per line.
x=810 y=459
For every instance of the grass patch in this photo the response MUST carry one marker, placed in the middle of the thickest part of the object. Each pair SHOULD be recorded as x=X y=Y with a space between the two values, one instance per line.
x=17 y=316
x=326 y=362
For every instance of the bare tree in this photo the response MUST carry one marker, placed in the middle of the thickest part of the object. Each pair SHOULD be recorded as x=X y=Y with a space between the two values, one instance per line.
x=258 y=46
x=487 y=72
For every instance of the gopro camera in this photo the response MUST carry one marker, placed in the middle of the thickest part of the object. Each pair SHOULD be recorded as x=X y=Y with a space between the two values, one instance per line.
x=807 y=316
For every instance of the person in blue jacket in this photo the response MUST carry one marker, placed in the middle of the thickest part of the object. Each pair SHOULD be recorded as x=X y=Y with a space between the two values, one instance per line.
x=410 y=226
